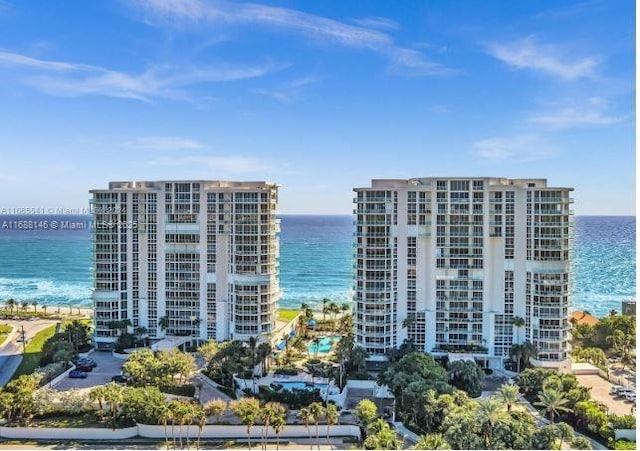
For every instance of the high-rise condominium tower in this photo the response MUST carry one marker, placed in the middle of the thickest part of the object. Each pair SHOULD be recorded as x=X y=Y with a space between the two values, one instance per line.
x=186 y=258
x=455 y=263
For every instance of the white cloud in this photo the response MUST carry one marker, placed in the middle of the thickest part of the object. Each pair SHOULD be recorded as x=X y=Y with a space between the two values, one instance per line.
x=550 y=59
x=223 y=164
x=590 y=113
x=523 y=147
x=311 y=26
x=164 y=143
x=72 y=79
x=15 y=59
x=288 y=92
x=381 y=23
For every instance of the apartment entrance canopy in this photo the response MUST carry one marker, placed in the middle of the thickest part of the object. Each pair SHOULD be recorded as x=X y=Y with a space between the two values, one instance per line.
x=454 y=357
x=169 y=343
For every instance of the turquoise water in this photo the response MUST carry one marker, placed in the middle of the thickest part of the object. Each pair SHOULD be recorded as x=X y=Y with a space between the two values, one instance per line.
x=54 y=267
x=301 y=386
x=324 y=345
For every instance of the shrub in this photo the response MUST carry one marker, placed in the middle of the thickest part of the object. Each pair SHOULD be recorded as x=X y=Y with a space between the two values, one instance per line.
x=622 y=422
x=295 y=399
x=624 y=444
x=287 y=370
x=179 y=390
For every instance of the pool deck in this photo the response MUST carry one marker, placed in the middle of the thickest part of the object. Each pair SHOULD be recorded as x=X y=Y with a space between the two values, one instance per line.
x=301 y=377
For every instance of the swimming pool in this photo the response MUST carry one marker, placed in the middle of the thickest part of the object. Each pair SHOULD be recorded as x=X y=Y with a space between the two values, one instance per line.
x=291 y=385
x=324 y=344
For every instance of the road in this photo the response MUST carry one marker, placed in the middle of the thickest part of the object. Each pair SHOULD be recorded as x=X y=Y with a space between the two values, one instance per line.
x=11 y=351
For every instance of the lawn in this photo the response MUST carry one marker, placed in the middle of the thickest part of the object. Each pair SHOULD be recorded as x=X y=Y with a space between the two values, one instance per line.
x=4 y=333
x=31 y=357
x=287 y=315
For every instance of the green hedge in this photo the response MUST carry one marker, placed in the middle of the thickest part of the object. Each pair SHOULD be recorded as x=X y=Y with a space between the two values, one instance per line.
x=180 y=390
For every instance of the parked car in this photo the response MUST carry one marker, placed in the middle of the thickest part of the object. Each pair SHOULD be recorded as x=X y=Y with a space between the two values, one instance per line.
x=623 y=392
x=84 y=368
x=85 y=362
x=615 y=388
x=75 y=374
x=120 y=379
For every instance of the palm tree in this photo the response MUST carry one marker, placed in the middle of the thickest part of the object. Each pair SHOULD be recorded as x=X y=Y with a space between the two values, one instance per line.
x=325 y=309
x=345 y=307
x=332 y=415
x=515 y=354
x=97 y=395
x=488 y=414
x=278 y=423
x=307 y=417
x=518 y=322
x=508 y=395
x=613 y=312
x=529 y=351
x=432 y=441
x=11 y=304
x=408 y=321
x=165 y=416
x=201 y=420
x=247 y=409
x=113 y=396
x=163 y=323
x=216 y=408
x=34 y=303
x=44 y=309
x=25 y=305
x=553 y=402
x=317 y=412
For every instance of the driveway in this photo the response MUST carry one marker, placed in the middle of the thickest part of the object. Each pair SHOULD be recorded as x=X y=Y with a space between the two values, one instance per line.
x=108 y=366
x=600 y=392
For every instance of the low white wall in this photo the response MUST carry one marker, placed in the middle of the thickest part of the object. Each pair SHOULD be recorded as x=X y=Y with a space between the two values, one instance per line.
x=629 y=434
x=68 y=433
x=152 y=431
x=60 y=377
x=240 y=431
x=120 y=356
x=353 y=383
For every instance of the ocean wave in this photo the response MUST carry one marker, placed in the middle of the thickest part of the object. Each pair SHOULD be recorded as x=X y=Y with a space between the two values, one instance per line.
x=45 y=291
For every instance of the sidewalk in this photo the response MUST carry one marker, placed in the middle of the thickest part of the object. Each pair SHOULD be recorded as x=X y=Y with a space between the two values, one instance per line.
x=408 y=436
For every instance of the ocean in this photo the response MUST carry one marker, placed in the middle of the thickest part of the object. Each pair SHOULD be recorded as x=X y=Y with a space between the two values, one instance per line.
x=54 y=266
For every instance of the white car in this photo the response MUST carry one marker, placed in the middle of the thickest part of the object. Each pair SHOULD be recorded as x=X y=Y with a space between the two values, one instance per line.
x=624 y=391
x=615 y=389
x=631 y=397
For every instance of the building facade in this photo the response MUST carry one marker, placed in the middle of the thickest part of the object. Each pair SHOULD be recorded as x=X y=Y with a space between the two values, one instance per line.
x=629 y=307
x=450 y=262
x=185 y=258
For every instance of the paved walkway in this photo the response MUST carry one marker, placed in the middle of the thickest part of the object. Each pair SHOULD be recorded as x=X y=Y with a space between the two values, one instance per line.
x=208 y=389
x=409 y=437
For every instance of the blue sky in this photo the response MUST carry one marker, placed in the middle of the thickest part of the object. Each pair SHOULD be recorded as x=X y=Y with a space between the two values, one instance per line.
x=319 y=96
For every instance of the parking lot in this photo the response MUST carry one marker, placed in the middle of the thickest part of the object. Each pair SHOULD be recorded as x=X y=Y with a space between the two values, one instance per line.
x=108 y=366
x=600 y=391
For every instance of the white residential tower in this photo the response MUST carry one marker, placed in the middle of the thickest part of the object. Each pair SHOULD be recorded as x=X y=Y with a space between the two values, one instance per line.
x=450 y=262
x=186 y=258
